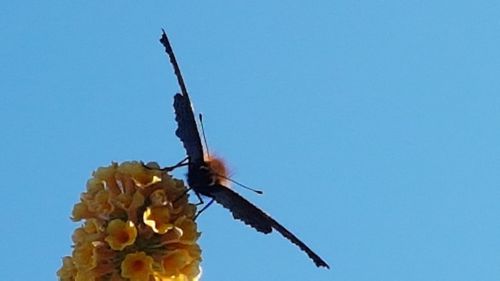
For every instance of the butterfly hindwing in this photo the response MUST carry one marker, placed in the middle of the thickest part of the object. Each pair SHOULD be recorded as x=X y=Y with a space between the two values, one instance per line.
x=251 y=215
x=241 y=208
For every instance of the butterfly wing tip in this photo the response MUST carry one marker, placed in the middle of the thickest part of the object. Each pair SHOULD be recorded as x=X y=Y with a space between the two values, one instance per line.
x=321 y=263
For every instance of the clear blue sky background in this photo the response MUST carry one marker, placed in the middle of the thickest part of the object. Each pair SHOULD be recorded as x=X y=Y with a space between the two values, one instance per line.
x=372 y=126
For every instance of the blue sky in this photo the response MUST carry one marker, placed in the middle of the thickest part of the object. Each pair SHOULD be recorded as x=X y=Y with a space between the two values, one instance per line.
x=372 y=127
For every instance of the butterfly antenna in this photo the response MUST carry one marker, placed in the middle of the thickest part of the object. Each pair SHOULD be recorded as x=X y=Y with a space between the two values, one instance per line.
x=242 y=185
x=200 y=117
x=168 y=49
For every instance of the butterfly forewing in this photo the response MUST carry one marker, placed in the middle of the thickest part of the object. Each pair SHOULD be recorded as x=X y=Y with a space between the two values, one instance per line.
x=187 y=130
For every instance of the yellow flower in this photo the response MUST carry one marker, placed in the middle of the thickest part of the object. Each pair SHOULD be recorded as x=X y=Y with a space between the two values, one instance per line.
x=188 y=227
x=80 y=211
x=157 y=218
x=83 y=256
x=137 y=266
x=120 y=234
x=68 y=271
x=137 y=225
x=175 y=261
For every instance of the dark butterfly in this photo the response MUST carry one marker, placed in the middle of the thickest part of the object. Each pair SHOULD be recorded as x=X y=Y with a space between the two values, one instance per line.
x=206 y=176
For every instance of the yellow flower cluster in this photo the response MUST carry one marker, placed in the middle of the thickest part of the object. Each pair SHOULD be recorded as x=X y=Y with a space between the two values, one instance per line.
x=137 y=226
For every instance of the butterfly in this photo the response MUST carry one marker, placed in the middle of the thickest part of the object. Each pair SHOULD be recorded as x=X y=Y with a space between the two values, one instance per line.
x=206 y=175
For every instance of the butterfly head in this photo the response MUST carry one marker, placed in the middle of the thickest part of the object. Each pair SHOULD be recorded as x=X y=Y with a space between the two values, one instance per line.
x=218 y=168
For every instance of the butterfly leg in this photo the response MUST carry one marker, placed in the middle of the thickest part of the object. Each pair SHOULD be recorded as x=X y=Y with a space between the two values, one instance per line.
x=183 y=162
x=204 y=208
x=201 y=202
x=182 y=195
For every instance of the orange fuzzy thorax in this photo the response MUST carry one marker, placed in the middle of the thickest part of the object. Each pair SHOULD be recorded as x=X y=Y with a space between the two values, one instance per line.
x=218 y=167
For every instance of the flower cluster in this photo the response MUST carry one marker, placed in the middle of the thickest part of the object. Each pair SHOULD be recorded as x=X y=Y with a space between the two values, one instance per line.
x=137 y=225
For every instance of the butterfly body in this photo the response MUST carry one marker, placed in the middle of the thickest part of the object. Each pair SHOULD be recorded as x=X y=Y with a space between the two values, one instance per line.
x=202 y=177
